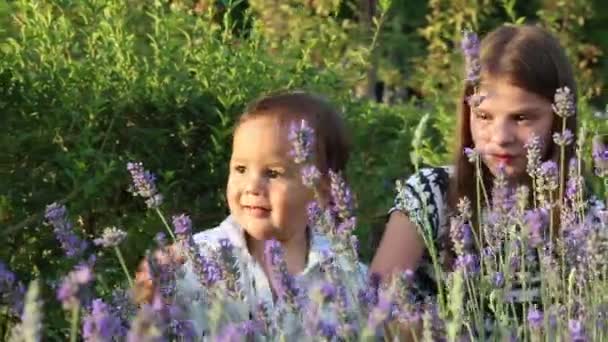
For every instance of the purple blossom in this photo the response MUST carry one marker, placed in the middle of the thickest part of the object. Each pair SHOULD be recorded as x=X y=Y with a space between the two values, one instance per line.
x=577 y=331
x=328 y=292
x=368 y=296
x=548 y=171
x=182 y=225
x=111 y=237
x=302 y=139
x=472 y=154
x=600 y=155
x=235 y=332
x=468 y=262
x=161 y=239
x=74 y=287
x=563 y=102
x=101 y=324
x=144 y=184
x=343 y=201
x=314 y=213
x=283 y=282
x=563 y=139
x=535 y=318
x=461 y=235
x=123 y=307
x=470 y=47
x=146 y=326
x=11 y=290
x=229 y=266
x=498 y=280
x=536 y=221
x=327 y=329
x=310 y=175
x=533 y=149
x=56 y=215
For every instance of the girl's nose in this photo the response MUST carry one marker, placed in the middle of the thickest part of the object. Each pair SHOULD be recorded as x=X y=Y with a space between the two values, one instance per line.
x=502 y=133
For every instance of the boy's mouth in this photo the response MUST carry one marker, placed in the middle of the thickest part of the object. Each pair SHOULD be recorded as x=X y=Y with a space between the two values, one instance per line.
x=257 y=211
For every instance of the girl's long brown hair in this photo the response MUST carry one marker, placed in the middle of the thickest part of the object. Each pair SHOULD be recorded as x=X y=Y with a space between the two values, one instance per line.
x=531 y=58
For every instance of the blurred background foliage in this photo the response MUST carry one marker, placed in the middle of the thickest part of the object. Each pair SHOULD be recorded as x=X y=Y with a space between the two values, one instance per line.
x=88 y=85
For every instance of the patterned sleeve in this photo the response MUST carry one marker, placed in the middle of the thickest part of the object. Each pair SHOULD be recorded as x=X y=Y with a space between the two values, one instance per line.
x=422 y=198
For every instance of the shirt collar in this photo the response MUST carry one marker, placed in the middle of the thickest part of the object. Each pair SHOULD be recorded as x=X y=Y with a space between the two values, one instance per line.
x=320 y=245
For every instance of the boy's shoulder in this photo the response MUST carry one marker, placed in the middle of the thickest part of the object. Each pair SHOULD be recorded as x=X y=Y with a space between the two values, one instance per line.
x=227 y=229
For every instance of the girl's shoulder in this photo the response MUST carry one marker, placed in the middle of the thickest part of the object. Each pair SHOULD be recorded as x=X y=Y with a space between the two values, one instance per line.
x=423 y=197
x=431 y=177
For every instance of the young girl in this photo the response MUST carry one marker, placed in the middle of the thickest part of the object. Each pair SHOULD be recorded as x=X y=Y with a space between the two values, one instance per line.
x=268 y=200
x=521 y=69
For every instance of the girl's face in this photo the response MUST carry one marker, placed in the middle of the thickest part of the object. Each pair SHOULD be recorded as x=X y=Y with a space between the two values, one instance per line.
x=505 y=121
x=265 y=192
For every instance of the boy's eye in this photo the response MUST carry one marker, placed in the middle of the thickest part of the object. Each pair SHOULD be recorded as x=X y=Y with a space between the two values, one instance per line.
x=240 y=169
x=273 y=173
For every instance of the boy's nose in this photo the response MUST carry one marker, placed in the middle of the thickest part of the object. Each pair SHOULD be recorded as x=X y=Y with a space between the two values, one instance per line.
x=253 y=185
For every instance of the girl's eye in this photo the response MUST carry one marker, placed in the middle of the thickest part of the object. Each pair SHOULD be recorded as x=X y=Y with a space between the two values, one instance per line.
x=481 y=115
x=240 y=169
x=521 y=117
x=273 y=173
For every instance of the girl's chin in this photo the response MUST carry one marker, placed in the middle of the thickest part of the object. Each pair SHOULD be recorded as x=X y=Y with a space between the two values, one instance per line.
x=510 y=172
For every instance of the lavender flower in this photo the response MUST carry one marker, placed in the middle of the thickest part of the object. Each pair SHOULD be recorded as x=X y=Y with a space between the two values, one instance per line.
x=310 y=175
x=182 y=225
x=314 y=213
x=533 y=149
x=229 y=266
x=111 y=237
x=146 y=326
x=470 y=47
x=144 y=184
x=563 y=103
x=577 y=331
x=100 y=324
x=549 y=173
x=472 y=154
x=600 y=156
x=123 y=307
x=536 y=221
x=498 y=280
x=461 y=235
x=302 y=139
x=56 y=215
x=74 y=286
x=327 y=330
x=464 y=209
x=283 y=281
x=535 y=319
x=343 y=201
x=563 y=139
x=368 y=296
x=235 y=332
x=468 y=262
x=11 y=290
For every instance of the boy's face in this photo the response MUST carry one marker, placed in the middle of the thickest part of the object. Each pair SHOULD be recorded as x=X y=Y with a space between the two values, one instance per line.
x=265 y=192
